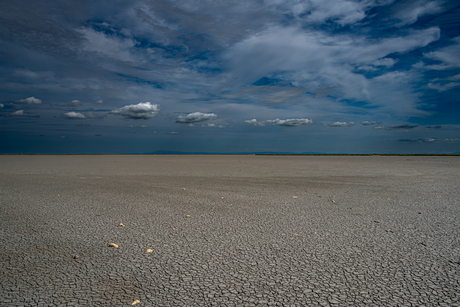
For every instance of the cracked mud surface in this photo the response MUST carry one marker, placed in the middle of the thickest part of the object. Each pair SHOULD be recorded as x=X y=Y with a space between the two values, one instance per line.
x=229 y=231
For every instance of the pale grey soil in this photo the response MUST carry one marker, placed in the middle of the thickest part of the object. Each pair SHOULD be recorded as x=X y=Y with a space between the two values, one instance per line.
x=262 y=230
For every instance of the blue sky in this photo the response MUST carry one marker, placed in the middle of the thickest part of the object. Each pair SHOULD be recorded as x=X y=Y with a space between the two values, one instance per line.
x=324 y=76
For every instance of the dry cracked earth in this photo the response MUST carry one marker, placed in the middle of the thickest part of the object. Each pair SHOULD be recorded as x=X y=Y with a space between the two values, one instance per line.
x=229 y=231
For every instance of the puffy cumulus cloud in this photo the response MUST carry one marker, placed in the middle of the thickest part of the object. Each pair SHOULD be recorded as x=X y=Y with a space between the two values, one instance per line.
x=142 y=110
x=74 y=115
x=18 y=113
x=341 y=124
x=368 y=123
x=1 y=105
x=30 y=100
x=195 y=117
x=291 y=122
x=254 y=122
x=99 y=102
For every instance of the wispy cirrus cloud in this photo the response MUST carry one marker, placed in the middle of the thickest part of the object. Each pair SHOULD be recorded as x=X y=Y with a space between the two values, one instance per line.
x=408 y=12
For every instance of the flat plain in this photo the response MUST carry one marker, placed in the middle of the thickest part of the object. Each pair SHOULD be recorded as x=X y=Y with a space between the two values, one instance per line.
x=230 y=230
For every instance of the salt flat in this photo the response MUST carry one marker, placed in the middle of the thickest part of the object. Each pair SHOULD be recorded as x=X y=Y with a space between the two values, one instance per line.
x=230 y=230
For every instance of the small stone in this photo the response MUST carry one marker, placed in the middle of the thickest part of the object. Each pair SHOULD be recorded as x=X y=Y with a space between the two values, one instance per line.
x=333 y=201
x=222 y=197
x=294 y=196
x=76 y=257
x=149 y=250
x=188 y=215
x=136 y=302
x=184 y=189
x=113 y=245
x=121 y=225
x=296 y=234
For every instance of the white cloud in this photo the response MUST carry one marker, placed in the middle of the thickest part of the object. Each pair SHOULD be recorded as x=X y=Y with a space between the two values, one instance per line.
x=20 y=113
x=195 y=117
x=284 y=49
x=142 y=110
x=368 y=123
x=447 y=55
x=342 y=12
x=209 y=125
x=254 y=122
x=1 y=105
x=292 y=122
x=443 y=88
x=408 y=12
x=30 y=100
x=74 y=115
x=341 y=124
x=379 y=127
x=99 y=102
x=387 y=62
x=316 y=60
